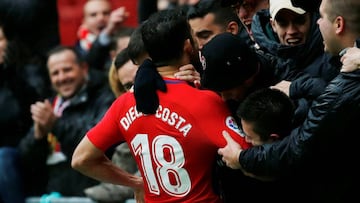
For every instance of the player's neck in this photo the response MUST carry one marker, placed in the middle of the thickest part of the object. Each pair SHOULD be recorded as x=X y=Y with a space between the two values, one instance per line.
x=168 y=71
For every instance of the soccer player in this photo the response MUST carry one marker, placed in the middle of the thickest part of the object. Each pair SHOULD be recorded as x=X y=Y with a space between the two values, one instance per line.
x=173 y=129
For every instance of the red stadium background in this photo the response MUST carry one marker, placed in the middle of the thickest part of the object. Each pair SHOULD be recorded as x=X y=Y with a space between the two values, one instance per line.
x=70 y=15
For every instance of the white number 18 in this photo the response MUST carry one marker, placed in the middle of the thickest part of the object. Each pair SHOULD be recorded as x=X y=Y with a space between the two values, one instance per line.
x=171 y=166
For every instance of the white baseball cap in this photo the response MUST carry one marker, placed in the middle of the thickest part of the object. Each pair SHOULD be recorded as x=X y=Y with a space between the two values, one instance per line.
x=277 y=5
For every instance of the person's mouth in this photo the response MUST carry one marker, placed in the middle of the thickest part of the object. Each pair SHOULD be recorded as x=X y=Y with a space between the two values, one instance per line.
x=294 y=41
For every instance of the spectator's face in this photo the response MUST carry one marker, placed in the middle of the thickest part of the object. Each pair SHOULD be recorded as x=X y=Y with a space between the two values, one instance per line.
x=291 y=28
x=251 y=136
x=254 y=138
x=3 y=44
x=66 y=75
x=205 y=29
x=248 y=9
x=96 y=15
x=126 y=74
x=328 y=30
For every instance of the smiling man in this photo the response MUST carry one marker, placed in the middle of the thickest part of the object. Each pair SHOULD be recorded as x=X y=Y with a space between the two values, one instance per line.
x=291 y=24
x=208 y=19
x=82 y=97
x=291 y=35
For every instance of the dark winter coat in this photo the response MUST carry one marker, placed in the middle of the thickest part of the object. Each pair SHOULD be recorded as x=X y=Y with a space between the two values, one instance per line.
x=84 y=111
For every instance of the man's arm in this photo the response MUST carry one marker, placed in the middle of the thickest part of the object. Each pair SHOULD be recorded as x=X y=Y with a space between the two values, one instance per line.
x=277 y=158
x=230 y=155
x=92 y=162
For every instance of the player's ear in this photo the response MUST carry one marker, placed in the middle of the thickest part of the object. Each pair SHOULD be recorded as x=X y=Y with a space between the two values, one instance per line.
x=232 y=27
x=188 y=47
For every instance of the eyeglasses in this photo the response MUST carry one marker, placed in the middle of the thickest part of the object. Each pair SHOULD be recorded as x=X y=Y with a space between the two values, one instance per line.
x=246 y=5
x=236 y=7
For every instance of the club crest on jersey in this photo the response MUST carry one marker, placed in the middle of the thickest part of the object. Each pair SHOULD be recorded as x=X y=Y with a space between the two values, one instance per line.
x=231 y=124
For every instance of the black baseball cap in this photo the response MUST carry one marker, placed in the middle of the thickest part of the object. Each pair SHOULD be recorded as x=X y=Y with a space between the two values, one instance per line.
x=227 y=62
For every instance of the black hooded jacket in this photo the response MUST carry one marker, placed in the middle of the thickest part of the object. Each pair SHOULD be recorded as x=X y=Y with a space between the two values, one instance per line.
x=307 y=66
x=86 y=108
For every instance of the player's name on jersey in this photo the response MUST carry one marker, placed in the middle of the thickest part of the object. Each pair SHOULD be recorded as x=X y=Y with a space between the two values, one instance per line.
x=163 y=113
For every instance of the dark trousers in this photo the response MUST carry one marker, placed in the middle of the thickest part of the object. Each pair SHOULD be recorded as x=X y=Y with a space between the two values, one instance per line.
x=11 y=182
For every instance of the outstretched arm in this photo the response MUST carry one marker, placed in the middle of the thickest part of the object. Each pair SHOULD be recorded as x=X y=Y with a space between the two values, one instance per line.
x=230 y=155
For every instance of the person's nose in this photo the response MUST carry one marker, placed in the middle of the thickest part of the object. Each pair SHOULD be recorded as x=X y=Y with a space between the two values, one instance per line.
x=243 y=13
x=292 y=28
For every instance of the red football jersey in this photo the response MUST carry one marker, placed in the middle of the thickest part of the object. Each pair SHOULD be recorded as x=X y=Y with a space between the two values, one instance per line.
x=176 y=147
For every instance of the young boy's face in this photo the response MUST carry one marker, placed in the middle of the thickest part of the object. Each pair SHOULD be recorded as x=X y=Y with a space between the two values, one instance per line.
x=254 y=138
x=251 y=136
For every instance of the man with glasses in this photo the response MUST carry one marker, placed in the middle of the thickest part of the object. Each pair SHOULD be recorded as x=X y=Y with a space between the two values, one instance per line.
x=246 y=9
x=291 y=36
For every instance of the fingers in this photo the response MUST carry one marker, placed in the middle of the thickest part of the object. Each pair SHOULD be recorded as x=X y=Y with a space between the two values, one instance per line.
x=41 y=111
x=36 y=109
x=37 y=112
x=41 y=107
x=230 y=152
x=188 y=73
x=350 y=60
x=47 y=102
x=197 y=84
x=120 y=14
x=117 y=17
x=228 y=139
x=187 y=67
x=227 y=136
x=221 y=152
